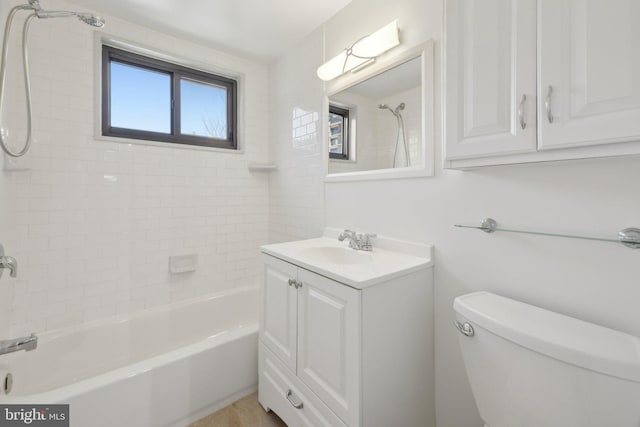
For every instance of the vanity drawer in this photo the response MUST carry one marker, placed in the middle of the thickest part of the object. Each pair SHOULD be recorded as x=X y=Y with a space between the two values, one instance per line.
x=281 y=391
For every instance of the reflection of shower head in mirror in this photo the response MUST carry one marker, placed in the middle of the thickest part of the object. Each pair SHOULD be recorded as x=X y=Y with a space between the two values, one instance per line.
x=395 y=112
x=401 y=134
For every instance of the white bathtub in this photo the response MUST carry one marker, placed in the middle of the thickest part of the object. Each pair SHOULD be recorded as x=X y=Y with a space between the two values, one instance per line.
x=162 y=367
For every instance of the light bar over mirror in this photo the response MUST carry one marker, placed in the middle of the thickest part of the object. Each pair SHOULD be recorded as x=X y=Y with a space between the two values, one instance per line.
x=362 y=52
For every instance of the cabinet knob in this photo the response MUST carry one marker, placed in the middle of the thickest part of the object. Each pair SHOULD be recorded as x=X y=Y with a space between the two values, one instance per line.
x=294 y=282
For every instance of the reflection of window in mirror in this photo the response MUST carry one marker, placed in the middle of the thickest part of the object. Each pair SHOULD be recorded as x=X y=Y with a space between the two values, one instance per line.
x=339 y=140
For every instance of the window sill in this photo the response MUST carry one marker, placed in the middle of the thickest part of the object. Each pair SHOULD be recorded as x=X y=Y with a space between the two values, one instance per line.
x=120 y=140
x=342 y=160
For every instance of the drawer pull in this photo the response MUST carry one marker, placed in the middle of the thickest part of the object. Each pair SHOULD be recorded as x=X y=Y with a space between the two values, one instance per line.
x=291 y=282
x=297 y=405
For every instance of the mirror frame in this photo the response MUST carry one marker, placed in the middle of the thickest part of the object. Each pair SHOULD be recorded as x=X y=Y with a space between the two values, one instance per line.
x=426 y=52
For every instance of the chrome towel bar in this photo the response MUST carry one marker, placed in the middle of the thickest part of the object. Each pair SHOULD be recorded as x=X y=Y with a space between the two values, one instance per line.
x=629 y=237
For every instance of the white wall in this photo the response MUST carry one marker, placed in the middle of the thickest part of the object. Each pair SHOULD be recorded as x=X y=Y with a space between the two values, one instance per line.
x=296 y=188
x=92 y=223
x=593 y=281
x=590 y=280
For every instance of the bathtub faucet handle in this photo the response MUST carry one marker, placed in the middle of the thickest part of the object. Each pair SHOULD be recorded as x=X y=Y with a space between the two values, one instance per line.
x=9 y=263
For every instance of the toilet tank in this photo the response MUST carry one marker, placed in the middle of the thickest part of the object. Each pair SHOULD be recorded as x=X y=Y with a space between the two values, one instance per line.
x=530 y=367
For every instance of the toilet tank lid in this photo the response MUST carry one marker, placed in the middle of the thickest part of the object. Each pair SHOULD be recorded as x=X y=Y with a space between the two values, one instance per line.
x=565 y=338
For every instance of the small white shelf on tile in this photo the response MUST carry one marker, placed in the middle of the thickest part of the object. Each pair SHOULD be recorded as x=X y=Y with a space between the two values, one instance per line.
x=262 y=167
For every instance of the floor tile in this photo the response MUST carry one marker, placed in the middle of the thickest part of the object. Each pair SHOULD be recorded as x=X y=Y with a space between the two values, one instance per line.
x=246 y=412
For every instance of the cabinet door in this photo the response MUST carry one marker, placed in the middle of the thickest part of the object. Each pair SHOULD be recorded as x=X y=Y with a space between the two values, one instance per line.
x=329 y=316
x=590 y=59
x=278 y=327
x=490 y=77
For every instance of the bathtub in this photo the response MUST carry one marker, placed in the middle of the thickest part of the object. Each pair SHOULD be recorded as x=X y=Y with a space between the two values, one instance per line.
x=162 y=367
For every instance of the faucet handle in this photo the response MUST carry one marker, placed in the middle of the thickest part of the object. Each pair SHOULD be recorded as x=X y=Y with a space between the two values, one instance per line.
x=347 y=233
x=8 y=262
x=366 y=241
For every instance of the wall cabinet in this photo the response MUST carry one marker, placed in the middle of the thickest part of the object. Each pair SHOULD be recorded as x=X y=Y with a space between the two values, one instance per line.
x=529 y=80
x=491 y=77
x=333 y=355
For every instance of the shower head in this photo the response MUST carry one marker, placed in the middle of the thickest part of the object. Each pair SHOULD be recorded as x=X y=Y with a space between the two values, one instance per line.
x=395 y=112
x=386 y=107
x=93 y=20
x=87 y=18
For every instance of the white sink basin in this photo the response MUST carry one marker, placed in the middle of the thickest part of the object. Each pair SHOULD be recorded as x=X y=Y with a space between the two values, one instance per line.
x=359 y=269
x=337 y=255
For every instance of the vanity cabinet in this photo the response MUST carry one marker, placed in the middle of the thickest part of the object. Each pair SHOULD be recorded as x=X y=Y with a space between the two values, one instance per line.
x=334 y=355
x=318 y=337
x=529 y=80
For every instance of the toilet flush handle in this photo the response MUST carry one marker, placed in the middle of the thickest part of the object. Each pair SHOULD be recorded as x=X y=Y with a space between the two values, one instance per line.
x=465 y=328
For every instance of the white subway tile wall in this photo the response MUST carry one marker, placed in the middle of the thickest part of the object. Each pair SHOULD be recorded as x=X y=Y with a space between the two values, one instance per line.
x=92 y=223
x=296 y=189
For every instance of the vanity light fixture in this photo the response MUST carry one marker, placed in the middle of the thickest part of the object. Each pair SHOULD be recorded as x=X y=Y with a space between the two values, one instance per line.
x=361 y=53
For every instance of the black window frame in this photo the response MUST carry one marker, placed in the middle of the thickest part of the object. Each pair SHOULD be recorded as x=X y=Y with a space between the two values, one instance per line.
x=344 y=113
x=177 y=73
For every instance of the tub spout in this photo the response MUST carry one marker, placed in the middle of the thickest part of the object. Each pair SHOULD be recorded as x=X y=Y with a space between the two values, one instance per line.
x=24 y=343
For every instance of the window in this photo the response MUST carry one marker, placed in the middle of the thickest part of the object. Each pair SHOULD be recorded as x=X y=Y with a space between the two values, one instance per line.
x=338 y=133
x=149 y=99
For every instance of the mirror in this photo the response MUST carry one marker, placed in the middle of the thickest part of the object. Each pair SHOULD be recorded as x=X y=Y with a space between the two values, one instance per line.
x=381 y=125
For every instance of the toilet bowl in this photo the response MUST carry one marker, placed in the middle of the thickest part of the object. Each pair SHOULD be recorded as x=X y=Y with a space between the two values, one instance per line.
x=530 y=367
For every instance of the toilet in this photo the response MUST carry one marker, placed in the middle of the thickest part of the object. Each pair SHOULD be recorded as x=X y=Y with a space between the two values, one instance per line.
x=530 y=367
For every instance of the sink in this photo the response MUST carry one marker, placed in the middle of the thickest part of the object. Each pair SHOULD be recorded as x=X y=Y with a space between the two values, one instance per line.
x=331 y=258
x=337 y=255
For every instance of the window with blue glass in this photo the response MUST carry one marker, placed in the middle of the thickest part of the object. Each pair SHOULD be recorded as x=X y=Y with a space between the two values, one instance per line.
x=148 y=99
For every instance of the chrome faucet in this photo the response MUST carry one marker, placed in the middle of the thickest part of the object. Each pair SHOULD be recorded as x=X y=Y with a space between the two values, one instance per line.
x=24 y=343
x=359 y=242
x=8 y=262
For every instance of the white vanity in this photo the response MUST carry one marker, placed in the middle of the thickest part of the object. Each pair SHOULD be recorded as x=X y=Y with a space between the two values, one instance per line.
x=346 y=336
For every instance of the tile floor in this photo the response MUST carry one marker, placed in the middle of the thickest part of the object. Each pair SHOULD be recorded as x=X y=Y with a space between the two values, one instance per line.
x=245 y=412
